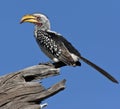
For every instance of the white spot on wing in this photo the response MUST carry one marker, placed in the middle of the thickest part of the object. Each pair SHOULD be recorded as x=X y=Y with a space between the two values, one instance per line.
x=55 y=60
x=75 y=58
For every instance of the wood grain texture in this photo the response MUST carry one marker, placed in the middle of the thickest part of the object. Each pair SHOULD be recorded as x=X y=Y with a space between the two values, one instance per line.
x=20 y=90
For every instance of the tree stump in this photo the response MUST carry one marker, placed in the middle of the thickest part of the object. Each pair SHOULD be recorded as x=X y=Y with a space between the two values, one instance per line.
x=19 y=90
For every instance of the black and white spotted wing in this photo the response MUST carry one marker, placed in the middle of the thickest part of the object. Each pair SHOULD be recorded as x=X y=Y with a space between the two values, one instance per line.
x=56 y=46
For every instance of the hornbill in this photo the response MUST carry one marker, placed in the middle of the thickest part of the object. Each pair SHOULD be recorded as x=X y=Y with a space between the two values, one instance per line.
x=56 y=47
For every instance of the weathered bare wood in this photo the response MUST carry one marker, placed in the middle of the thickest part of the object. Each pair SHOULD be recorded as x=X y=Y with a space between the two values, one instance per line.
x=19 y=90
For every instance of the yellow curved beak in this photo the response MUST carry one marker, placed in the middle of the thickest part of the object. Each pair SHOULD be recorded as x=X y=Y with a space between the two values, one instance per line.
x=29 y=18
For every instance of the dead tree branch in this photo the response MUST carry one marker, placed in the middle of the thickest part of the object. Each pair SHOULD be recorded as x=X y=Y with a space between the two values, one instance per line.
x=19 y=90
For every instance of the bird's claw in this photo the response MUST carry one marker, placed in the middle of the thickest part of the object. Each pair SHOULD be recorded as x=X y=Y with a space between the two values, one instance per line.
x=46 y=63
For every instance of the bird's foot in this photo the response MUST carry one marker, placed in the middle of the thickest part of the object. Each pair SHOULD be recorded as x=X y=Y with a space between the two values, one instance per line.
x=58 y=64
x=46 y=63
x=55 y=64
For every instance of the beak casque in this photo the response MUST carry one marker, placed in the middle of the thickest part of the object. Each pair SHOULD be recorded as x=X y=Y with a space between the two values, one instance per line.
x=29 y=18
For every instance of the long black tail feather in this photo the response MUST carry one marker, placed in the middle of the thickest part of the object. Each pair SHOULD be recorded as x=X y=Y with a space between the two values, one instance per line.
x=106 y=74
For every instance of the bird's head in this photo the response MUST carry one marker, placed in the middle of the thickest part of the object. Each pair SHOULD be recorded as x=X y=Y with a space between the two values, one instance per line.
x=41 y=21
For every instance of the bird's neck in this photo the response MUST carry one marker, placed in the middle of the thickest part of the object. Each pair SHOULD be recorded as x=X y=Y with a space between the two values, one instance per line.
x=41 y=28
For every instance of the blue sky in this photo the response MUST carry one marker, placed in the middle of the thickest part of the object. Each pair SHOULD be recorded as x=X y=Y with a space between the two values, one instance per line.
x=92 y=26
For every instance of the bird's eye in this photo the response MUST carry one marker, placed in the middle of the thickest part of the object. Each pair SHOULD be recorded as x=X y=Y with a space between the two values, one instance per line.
x=38 y=18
